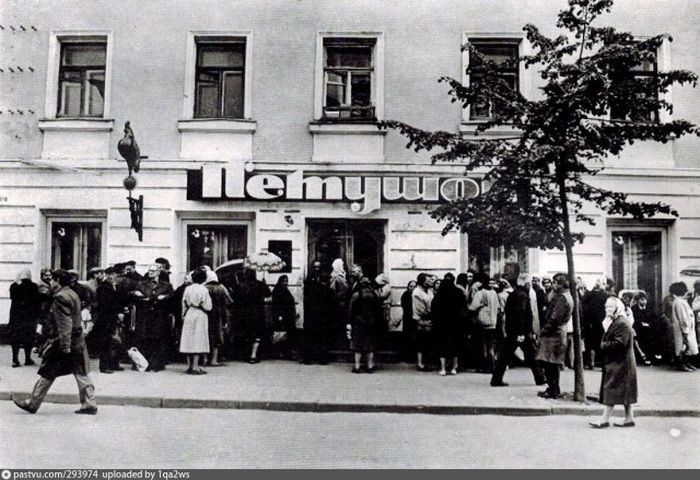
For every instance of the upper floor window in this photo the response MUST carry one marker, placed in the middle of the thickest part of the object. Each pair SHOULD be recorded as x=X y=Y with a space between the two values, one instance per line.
x=642 y=79
x=220 y=79
x=81 y=79
x=505 y=54
x=349 y=78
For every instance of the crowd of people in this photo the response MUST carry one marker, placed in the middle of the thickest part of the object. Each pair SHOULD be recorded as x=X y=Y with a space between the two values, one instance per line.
x=448 y=324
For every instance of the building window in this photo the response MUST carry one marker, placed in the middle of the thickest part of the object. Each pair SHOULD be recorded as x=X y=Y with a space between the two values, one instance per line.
x=81 y=79
x=76 y=245
x=641 y=78
x=220 y=79
x=505 y=55
x=349 y=78
x=491 y=261
x=637 y=262
x=213 y=245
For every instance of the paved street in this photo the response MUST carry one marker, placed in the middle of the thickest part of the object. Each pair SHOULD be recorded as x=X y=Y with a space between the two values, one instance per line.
x=203 y=438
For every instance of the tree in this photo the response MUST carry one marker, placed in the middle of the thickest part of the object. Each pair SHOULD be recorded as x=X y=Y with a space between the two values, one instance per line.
x=537 y=177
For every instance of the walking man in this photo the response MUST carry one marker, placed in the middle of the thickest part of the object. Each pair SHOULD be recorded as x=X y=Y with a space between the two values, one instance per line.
x=65 y=352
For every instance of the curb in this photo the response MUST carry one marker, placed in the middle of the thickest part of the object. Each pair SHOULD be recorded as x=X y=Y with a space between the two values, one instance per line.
x=326 y=407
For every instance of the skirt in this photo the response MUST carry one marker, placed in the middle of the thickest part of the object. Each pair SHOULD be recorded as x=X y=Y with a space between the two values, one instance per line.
x=195 y=334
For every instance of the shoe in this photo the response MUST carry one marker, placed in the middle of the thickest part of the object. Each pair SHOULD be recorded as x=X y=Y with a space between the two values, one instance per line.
x=16 y=364
x=599 y=425
x=453 y=371
x=217 y=364
x=117 y=369
x=624 y=424
x=24 y=405
x=539 y=383
x=442 y=373
x=421 y=368
x=106 y=370
x=547 y=394
x=684 y=368
x=356 y=370
x=29 y=362
x=253 y=361
x=371 y=369
x=87 y=411
x=499 y=384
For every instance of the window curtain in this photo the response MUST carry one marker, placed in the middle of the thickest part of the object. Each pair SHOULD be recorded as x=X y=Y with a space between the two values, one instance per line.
x=630 y=262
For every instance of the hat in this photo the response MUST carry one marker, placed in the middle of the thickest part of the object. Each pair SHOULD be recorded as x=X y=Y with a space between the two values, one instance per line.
x=130 y=263
x=111 y=270
x=97 y=270
x=163 y=261
x=73 y=271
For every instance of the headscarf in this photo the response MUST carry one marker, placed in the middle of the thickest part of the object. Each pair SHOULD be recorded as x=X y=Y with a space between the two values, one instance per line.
x=338 y=270
x=212 y=277
x=381 y=280
x=620 y=308
x=600 y=283
x=24 y=274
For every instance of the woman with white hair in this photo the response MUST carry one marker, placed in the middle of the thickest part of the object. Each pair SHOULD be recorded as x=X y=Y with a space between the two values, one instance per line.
x=618 y=385
x=24 y=313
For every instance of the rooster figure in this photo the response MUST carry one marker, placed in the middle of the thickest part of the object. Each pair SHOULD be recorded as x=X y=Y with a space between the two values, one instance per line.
x=129 y=149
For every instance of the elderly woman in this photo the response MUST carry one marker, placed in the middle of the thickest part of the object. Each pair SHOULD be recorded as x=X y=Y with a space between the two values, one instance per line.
x=618 y=384
x=218 y=316
x=364 y=312
x=196 y=302
x=25 y=307
x=683 y=322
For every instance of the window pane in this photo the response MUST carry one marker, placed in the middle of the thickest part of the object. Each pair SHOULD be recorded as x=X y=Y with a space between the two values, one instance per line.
x=637 y=262
x=83 y=55
x=207 y=100
x=215 y=244
x=348 y=56
x=233 y=95
x=335 y=90
x=503 y=55
x=222 y=56
x=70 y=99
x=95 y=90
x=361 y=90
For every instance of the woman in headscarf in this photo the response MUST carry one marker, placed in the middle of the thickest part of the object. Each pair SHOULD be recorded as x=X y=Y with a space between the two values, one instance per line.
x=196 y=302
x=284 y=314
x=341 y=292
x=408 y=327
x=24 y=313
x=218 y=316
x=363 y=317
x=383 y=291
x=618 y=384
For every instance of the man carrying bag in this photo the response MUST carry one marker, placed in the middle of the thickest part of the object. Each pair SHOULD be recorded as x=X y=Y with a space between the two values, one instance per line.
x=65 y=351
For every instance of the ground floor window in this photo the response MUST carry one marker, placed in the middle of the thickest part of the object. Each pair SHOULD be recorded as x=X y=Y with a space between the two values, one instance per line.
x=491 y=261
x=76 y=245
x=354 y=241
x=213 y=245
x=637 y=261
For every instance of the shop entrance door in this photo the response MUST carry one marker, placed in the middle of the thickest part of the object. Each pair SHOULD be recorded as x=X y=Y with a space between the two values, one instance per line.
x=355 y=241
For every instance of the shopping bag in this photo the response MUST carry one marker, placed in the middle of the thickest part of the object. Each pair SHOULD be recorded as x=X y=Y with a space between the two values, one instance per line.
x=138 y=359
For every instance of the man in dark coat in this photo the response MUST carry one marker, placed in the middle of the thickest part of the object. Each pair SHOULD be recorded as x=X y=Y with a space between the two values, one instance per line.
x=65 y=352
x=24 y=313
x=108 y=321
x=593 y=313
x=552 y=351
x=517 y=331
x=153 y=326
x=319 y=306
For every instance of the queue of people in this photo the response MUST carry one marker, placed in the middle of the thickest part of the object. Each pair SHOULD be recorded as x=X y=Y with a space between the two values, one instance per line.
x=472 y=321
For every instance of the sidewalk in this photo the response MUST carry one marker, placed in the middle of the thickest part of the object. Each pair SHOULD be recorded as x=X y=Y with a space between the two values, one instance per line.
x=395 y=388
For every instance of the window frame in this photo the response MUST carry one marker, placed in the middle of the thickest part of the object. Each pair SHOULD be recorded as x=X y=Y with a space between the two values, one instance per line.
x=523 y=76
x=373 y=39
x=221 y=72
x=346 y=73
x=196 y=37
x=57 y=39
x=95 y=216
x=84 y=71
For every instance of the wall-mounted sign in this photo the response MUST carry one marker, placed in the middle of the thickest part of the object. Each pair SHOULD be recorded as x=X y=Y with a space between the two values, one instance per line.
x=365 y=193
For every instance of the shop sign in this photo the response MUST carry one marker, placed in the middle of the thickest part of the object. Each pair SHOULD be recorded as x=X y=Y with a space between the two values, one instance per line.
x=365 y=193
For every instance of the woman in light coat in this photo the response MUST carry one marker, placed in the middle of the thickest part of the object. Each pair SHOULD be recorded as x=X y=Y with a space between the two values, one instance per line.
x=618 y=384
x=196 y=302
x=683 y=322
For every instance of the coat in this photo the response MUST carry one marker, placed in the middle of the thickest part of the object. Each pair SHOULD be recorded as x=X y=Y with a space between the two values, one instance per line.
x=518 y=314
x=152 y=316
x=593 y=313
x=683 y=321
x=68 y=352
x=24 y=312
x=618 y=384
x=319 y=305
x=364 y=314
x=219 y=314
x=553 y=332
x=487 y=304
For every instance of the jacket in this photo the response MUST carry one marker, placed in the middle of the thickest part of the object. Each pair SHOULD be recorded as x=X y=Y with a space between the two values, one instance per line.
x=618 y=384
x=65 y=321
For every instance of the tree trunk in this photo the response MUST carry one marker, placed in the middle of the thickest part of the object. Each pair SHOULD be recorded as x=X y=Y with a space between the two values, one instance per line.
x=579 y=387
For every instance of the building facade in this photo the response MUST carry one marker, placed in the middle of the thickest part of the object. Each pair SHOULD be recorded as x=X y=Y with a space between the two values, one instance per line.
x=257 y=124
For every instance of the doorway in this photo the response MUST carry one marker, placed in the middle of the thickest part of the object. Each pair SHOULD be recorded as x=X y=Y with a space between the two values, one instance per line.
x=354 y=241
